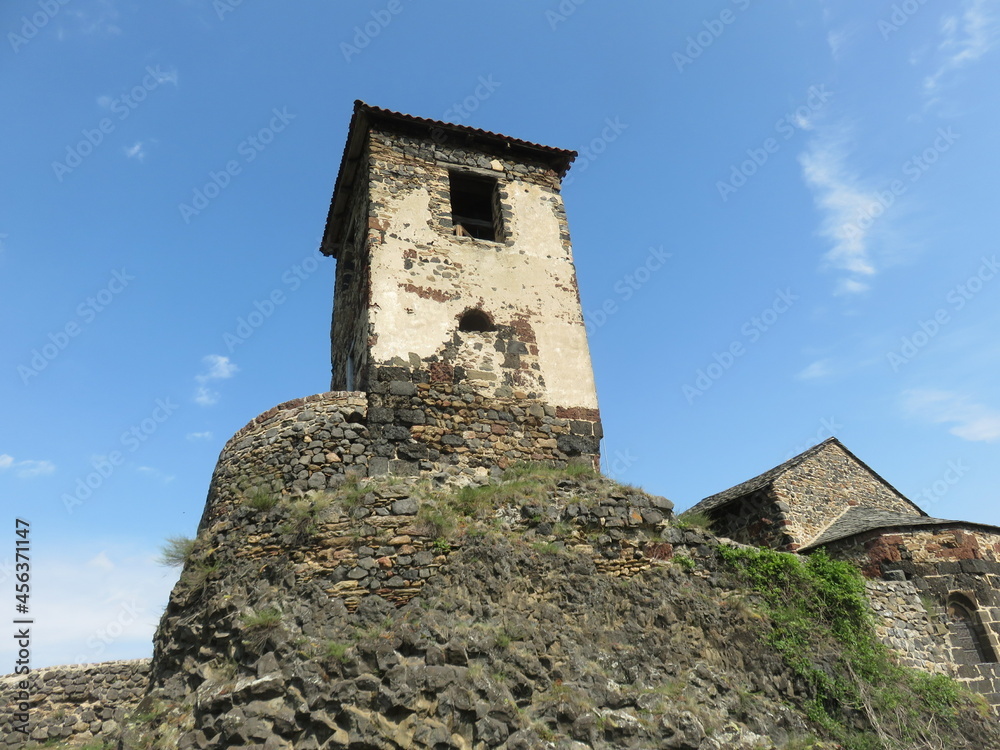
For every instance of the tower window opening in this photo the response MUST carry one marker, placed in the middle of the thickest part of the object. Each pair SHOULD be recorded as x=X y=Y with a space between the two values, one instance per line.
x=475 y=320
x=475 y=206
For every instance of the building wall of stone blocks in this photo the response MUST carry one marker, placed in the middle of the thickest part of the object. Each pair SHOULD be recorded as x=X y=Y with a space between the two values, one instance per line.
x=823 y=486
x=73 y=703
x=903 y=623
x=350 y=328
x=941 y=562
x=755 y=519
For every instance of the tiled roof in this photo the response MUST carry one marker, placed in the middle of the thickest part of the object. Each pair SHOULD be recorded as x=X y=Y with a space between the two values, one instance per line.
x=365 y=115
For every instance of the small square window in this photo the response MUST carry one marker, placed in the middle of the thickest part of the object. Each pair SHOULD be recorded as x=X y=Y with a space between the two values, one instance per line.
x=475 y=206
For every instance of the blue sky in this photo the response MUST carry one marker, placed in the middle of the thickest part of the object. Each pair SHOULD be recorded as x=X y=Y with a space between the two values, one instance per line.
x=784 y=219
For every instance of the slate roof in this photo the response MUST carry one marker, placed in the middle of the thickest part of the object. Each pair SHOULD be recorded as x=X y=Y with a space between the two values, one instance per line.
x=758 y=482
x=366 y=115
x=859 y=520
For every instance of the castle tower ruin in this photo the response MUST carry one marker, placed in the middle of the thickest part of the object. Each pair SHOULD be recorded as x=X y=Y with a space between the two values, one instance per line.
x=454 y=259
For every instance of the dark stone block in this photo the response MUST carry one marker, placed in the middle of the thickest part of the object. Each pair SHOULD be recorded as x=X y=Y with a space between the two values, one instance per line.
x=378 y=414
x=410 y=416
x=598 y=430
x=576 y=445
x=402 y=388
x=395 y=432
x=393 y=373
x=412 y=451
x=579 y=427
x=976 y=567
x=450 y=439
x=404 y=468
x=512 y=361
x=384 y=448
x=378 y=466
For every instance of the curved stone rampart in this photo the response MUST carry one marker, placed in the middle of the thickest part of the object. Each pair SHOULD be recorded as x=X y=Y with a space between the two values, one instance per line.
x=406 y=426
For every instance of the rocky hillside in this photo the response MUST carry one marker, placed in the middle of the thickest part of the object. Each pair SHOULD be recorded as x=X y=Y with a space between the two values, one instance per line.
x=551 y=609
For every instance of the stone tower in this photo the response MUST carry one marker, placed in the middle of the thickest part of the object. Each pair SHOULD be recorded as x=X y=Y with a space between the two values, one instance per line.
x=454 y=259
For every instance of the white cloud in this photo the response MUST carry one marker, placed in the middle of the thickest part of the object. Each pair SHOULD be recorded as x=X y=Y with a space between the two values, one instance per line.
x=29 y=469
x=818 y=369
x=205 y=396
x=100 y=18
x=101 y=561
x=849 y=211
x=155 y=473
x=95 y=602
x=26 y=469
x=199 y=435
x=965 y=40
x=136 y=151
x=218 y=368
x=971 y=421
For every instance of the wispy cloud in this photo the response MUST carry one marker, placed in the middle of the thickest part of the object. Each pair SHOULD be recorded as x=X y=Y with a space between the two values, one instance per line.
x=100 y=17
x=26 y=469
x=844 y=202
x=136 y=151
x=972 y=421
x=218 y=367
x=966 y=38
x=199 y=436
x=155 y=474
x=818 y=369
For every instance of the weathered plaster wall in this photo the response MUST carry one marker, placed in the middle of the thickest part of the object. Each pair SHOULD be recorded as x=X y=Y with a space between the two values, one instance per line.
x=74 y=703
x=423 y=277
x=825 y=485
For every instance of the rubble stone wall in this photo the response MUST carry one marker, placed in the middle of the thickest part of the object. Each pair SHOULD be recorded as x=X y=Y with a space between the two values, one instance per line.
x=73 y=703
x=825 y=485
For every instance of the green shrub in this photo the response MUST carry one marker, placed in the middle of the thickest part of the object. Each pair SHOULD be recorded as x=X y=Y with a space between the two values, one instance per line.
x=819 y=611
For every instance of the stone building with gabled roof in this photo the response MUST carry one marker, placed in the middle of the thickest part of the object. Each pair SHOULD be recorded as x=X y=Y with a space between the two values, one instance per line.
x=934 y=583
x=793 y=505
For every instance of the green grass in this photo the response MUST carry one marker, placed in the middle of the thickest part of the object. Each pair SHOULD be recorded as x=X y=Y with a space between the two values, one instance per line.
x=693 y=521
x=176 y=551
x=260 y=499
x=336 y=651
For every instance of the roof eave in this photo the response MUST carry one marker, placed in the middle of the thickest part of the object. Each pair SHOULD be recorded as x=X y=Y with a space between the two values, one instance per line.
x=365 y=115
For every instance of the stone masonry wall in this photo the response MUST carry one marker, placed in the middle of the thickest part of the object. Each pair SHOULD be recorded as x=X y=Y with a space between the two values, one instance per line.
x=941 y=562
x=903 y=623
x=382 y=544
x=405 y=427
x=823 y=486
x=756 y=519
x=349 y=330
x=75 y=703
